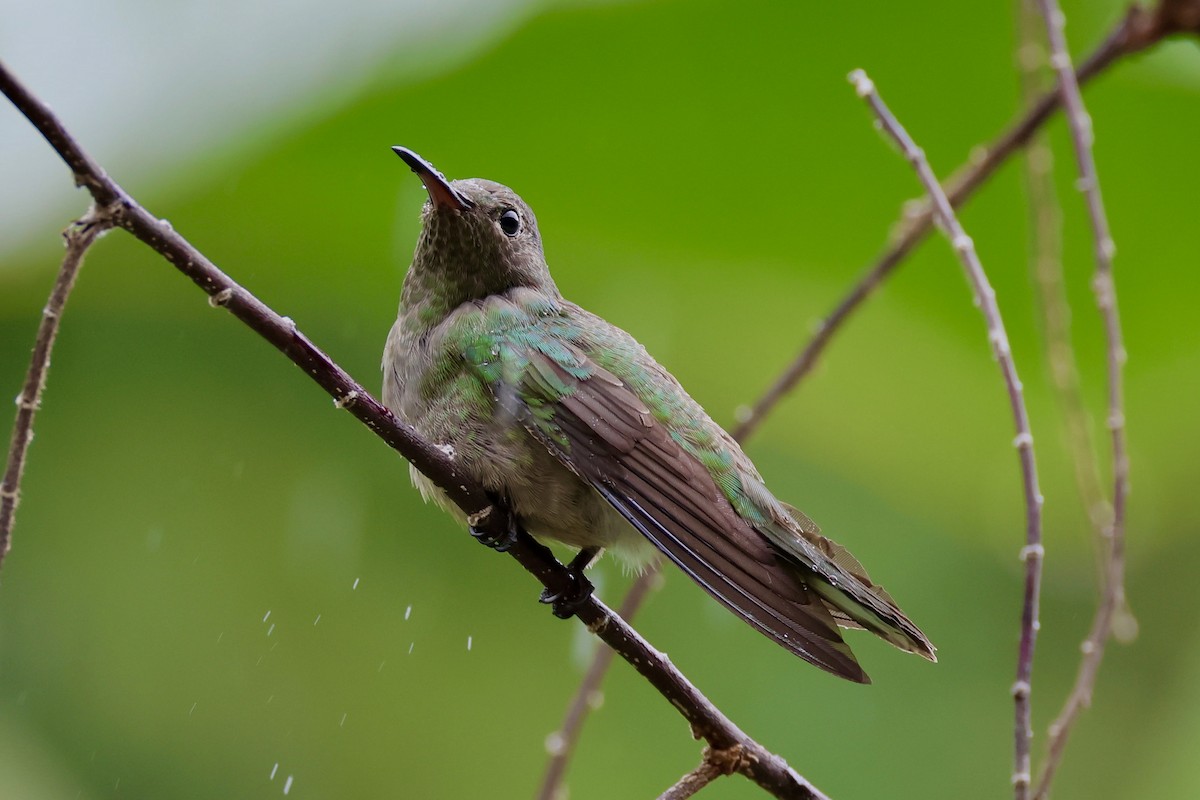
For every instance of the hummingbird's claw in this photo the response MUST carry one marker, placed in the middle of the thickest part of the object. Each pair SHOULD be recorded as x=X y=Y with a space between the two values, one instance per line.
x=500 y=542
x=565 y=603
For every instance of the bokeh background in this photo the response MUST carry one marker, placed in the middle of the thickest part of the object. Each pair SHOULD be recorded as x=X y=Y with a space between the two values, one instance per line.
x=219 y=583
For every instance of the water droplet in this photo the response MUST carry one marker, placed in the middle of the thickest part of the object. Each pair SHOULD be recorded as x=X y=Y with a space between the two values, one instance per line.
x=266 y=616
x=287 y=785
x=408 y=612
x=469 y=638
x=274 y=769
x=355 y=586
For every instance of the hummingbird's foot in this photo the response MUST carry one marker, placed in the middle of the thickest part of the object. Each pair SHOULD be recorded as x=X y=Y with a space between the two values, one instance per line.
x=501 y=542
x=564 y=604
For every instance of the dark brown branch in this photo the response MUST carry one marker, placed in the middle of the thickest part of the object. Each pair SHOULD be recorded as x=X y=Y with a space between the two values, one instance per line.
x=766 y=769
x=78 y=237
x=1138 y=30
x=985 y=297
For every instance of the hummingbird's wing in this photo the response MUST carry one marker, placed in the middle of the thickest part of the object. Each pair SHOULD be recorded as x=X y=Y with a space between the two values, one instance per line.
x=601 y=429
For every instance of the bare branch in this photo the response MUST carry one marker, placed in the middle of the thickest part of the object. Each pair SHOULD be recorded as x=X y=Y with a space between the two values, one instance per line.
x=78 y=237
x=691 y=783
x=1046 y=268
x=716 y=763
x=1137 y=30
x=1113 y=596
x=765 y=768
x=985 y=298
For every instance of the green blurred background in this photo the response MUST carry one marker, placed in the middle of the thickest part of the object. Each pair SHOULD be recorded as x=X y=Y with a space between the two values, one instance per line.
x=217 y=578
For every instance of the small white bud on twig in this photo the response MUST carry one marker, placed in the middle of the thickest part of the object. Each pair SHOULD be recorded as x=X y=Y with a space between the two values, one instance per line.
x=863 y=85
x=556 y=744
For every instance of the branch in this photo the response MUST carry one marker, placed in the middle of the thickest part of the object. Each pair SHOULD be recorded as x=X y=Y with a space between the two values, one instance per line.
x=985 y=298
x=1138 y=30
x=766 y=769
x=78 y=237
x=1113 y=595
x=716 y=763
x=1046 y=268
x=691 y=783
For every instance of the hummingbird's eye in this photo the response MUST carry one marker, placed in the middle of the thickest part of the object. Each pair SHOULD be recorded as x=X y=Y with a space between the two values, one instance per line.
x=510 y=222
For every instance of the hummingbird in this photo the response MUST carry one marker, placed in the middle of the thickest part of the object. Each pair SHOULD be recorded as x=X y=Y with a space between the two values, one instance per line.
x=569 y=422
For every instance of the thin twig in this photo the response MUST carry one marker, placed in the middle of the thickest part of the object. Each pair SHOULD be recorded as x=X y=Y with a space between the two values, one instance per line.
x=1106 y=299
x=78 y=237
x=561 y=743
x=1137 y=30
x=765 y=768
x=692 y=782
x=716 y=763
x=1046 y=268
x=985 y=297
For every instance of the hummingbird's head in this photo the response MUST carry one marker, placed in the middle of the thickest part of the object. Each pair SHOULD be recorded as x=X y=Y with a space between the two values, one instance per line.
x=477 y=237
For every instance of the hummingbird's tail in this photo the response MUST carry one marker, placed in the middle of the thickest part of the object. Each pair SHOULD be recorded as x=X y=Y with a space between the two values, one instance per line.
x=894 y=628
x=853 y=599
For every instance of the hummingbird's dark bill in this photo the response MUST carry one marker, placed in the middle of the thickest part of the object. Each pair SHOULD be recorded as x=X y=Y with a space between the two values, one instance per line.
x=592 y=442
x=441 y=193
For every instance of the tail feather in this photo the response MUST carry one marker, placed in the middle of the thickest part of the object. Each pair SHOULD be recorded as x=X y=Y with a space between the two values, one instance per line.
x=863 y=603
